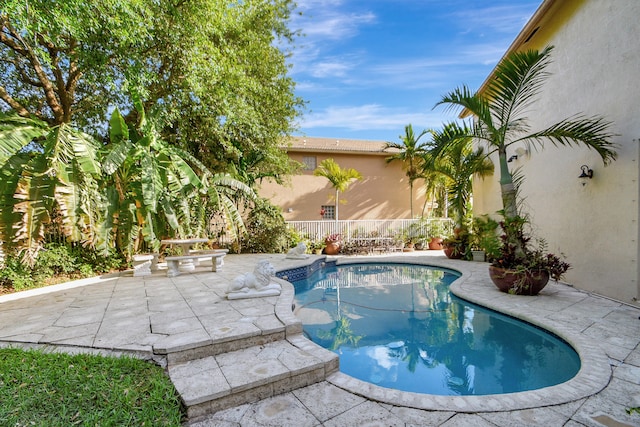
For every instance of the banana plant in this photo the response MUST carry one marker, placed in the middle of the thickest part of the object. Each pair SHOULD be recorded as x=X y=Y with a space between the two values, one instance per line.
x=43 y=168
x=156 y=190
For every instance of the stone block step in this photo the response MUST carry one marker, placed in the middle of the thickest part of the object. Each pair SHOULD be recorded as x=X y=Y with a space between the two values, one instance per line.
x=210 y=384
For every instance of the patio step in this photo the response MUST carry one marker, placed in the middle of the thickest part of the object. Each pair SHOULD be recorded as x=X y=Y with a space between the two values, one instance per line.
x=213 y=383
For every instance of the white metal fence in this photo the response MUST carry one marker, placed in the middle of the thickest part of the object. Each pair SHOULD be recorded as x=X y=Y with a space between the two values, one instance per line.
x=386 y=228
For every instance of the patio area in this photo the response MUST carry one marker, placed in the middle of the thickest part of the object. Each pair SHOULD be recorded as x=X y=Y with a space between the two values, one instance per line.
x=246 y=362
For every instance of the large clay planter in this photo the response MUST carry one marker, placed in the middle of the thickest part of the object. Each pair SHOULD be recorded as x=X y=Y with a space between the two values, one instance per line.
x=450 y=252
x=518 y=283
x=332 y=248
x=435 y=244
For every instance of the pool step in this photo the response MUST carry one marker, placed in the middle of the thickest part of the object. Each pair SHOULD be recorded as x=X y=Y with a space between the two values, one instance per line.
x=213 y=383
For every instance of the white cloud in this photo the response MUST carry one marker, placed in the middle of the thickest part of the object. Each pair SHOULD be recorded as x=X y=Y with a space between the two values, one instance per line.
x=507 y=19
x=330 y=69
x=325 y=24
x=328 y=20
x=368 y=117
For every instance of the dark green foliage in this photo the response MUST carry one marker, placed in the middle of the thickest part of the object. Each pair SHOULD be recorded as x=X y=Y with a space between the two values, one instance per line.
x=267 y=231
x=15 y=275
x=459 y=243
x=61 y=390
x=485 y=236
x=522 y=255
x=57 y=263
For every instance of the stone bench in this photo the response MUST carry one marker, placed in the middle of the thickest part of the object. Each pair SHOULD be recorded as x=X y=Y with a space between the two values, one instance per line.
x=176 y=264
x=220 y=260
x=144 y=264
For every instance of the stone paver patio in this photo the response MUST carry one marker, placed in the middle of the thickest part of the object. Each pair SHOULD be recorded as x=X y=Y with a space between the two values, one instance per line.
x=186 y=324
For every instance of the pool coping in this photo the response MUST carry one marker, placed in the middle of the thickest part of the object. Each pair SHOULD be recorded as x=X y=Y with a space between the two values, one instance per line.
x=474 y=285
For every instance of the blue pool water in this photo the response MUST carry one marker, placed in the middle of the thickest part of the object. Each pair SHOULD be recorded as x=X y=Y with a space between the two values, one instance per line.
x=398 y=326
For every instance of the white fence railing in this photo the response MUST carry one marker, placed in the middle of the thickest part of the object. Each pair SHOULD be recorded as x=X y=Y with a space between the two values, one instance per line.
x=387 y=228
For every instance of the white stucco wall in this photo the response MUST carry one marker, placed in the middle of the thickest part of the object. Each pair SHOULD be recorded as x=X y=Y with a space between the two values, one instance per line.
x=595 y=70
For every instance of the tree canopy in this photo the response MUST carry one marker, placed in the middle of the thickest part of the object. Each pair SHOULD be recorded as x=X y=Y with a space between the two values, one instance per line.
x=215 y=70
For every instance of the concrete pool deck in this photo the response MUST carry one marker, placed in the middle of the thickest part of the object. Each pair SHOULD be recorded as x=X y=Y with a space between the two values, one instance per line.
x=246 y=363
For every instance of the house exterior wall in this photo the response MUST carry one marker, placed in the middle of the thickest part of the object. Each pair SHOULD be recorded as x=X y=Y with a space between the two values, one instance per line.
x=383 y=193
x=594 y=222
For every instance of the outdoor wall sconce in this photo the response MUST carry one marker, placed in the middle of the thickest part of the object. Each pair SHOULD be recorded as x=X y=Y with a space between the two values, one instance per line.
x=586 y=172
x=519 y=152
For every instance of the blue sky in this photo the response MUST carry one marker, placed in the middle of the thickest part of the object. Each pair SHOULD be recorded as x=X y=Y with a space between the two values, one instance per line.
x=368 y=68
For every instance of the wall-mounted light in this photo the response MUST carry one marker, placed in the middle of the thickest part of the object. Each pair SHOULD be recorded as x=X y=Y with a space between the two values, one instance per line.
x=289 y=210
x=586 y=172
x=520 y=152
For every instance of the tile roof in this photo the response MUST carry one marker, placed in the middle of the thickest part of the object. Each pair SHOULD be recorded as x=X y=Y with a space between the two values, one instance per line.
x=304 y=143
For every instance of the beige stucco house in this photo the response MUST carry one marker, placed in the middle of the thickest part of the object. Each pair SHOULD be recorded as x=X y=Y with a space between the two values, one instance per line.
x=383 y=193
x=595 y=71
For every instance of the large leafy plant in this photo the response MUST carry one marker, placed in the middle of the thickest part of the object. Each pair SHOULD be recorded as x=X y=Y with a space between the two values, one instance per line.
x=155 y=189
x=138 y=188
x=42 y=167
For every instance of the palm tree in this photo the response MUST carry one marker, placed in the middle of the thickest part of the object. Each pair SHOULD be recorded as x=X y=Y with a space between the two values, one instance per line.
x=339 y=178
x=458 y=164
x=500 y=121
x=410 y=153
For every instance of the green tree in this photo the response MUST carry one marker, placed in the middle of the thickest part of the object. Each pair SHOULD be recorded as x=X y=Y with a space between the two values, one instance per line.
x=410 y=152
x=458 y=163
x=339 y=178
x=500 y=118
x=214 y=70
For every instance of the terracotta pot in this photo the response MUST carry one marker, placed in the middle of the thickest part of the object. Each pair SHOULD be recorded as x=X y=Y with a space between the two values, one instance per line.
x=332 y=248
x=518 y=283
x=435 y=244
x=449 y=251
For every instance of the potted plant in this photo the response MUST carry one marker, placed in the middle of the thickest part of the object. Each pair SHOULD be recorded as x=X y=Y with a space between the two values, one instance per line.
x=333 y=243
x=485 y=244
x=316 y=246
x=416 y=234
x=521 y=268
x=458 y=245
x=436 y=231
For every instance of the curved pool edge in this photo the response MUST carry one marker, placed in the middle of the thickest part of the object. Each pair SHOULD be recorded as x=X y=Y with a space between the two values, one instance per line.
x=474 y=285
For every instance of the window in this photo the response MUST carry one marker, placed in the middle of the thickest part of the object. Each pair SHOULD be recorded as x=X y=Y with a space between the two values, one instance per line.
x=310 y=163
x=328 y=212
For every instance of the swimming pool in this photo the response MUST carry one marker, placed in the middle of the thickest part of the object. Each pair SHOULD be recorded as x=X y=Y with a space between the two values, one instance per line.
x=398 y=326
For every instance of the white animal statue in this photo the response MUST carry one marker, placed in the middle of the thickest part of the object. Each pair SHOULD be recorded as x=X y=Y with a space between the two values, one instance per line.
x=299 y=252
x=256 y=284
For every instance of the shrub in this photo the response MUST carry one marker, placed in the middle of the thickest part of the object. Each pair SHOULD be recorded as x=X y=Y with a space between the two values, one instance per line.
x=267 y=231
x=56 y=263
x=15 y=275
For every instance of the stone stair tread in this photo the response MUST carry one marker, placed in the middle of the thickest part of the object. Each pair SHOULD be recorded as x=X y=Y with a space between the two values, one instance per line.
x=213 y=377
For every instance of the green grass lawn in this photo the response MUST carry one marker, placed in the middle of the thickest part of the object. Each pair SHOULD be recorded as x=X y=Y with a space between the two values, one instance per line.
x=51 y=389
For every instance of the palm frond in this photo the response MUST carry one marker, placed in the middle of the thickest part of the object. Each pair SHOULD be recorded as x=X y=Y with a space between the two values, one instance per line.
x=463 y=98
x=517 y=80
x=591 y=132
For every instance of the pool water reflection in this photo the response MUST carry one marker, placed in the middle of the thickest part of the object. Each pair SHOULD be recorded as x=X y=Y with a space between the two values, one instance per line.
x=398 y=326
